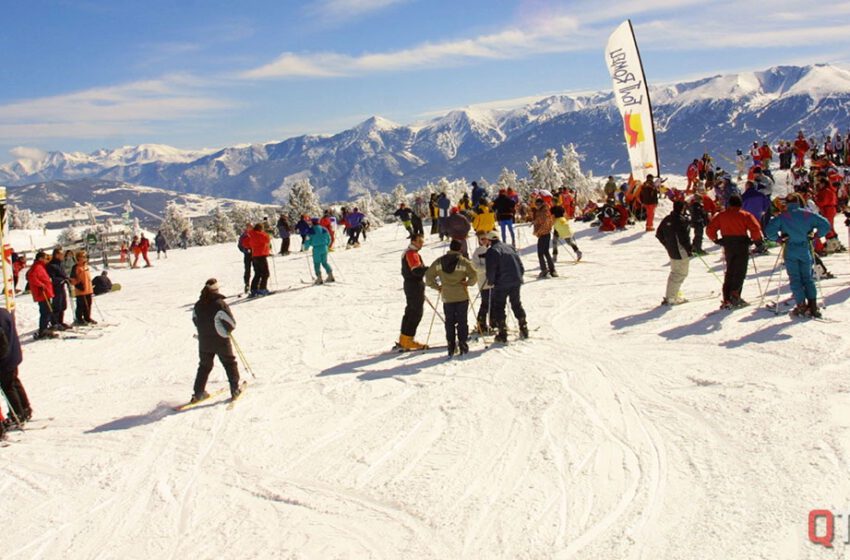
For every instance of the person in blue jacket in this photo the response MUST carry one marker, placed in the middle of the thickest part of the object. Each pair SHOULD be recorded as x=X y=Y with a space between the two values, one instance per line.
x=796 y=225
x=320 y=240
x=504 y=275
x=303 y=229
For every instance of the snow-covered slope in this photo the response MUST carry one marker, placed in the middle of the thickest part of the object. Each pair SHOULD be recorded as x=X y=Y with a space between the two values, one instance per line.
x=619 y=430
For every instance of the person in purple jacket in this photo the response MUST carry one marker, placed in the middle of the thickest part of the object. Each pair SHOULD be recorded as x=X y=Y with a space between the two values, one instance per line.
x=355 y=225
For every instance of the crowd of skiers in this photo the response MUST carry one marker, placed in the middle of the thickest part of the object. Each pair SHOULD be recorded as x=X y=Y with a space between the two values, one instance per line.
x=745 y=223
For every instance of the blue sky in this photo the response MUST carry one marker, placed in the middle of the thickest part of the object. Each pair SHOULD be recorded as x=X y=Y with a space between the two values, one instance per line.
x=79 y=75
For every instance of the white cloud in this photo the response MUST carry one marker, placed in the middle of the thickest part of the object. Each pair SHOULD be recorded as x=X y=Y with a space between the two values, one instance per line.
x=338 y=10
x=555 y=34
x=27 y=153
x=107 y=111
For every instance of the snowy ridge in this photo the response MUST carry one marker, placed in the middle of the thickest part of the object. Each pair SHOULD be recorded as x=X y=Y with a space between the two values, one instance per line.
x=717 y=114
x=582 y=442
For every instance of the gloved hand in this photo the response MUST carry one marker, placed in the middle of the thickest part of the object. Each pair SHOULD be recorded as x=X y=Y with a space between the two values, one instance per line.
x=720 y=241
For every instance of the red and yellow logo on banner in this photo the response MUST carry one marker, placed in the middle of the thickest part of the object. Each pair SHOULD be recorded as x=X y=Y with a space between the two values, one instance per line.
x=633 y=127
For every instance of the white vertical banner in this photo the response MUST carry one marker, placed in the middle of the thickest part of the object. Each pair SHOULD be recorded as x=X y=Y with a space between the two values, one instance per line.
x=632 y=97
x=5 y=262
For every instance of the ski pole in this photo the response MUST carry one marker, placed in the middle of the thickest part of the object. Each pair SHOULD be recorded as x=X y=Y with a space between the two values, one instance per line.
x=97 y=307
x=818 y=284
x=440 y=295
x=708 y=268
x=477 y=322
x=274 y=268
x=336 y=266
x=310 y=270
x=437 y=311
x=756 y=270
x=770 y=279
x=241 y=355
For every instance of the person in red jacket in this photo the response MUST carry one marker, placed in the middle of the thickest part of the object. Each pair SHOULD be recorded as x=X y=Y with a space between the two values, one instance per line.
x=144 y=245
x=827 y=201
x=693 y=176
x=328 y=222
x=801 y=146
x=41 y=288
x=260 y=244
x=734 y=224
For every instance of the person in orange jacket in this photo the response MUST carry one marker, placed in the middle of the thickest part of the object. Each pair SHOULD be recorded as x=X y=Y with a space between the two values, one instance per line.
x=83 y=289
x=739 y=229
x=41 y=288
x=827 y=202
x=260 y=243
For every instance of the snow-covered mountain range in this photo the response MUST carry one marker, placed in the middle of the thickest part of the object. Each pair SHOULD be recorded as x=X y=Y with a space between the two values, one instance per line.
x=716 y=115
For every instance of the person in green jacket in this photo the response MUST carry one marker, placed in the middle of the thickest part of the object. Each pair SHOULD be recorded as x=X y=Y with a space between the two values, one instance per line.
x=451 y=275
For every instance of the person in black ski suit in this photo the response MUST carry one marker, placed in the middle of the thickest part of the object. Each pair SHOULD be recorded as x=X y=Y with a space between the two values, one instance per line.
x=674 y=235
x=504 y=274
x=214 y=321
x=10 y=359
x=59 y=278
x=699 y=217
x=413 y=271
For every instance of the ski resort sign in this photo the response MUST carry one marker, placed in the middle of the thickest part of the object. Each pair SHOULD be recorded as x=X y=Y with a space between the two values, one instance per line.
x=632 y=98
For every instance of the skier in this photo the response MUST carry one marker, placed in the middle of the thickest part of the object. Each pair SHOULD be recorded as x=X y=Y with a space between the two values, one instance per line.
x=320 y=240
x=796 y=225
x=19 y=262
x=10 y=359
x=59 y=278
x=404 y=215
x=734 y=224
x=328 y=221
x=674 y=235
x=699 y=217
x=283 y=231
x=505 y=208
x=260 y=243
x=355 y=227
x=434 y=213
x=303 y=229
x=244 y=246
x=416 y=223
x=504 y=276
x=457 y=227
x=801 y=147
x=483 y=219
x=413 y=272
x=648 y=197
x=477 y=194
x=184 y=239
x=563 y=231
x=479 y=262
x=443 y=206
x=214 y=322
x=143 y=246
x=83 y=290
x=542 y=223
x=451 y=275
x=41 y=288
x=161 y=244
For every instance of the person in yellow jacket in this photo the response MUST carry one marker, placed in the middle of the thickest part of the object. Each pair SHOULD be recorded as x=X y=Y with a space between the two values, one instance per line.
x=451 y=275
x=563 y=231
x=485 y=219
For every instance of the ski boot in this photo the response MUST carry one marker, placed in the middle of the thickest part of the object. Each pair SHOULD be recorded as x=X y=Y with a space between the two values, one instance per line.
x=502 y=335
x=544 y=274
x=197 y=397
x=318 y=281
x=813 y=309
x=578 y=256
x=464 y=347
x=407 y=343
x=801 y=310
x=330 y=277
x=451 y=348
x=554 y=274
x=523 y=329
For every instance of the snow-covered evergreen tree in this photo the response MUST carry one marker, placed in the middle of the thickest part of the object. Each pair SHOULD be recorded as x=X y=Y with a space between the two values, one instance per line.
x=573 y=177
x=220 y=228
x=22 y=218
x=200 y=237
x=507 y=180
x=389 y=203
x=545 y=174
x=242 y=214
x=302 y=200
x=174 y=223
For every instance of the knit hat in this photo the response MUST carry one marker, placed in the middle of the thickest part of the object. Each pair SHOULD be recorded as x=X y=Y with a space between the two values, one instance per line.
x=314 y=220
x=211 y=285
x=492 y=236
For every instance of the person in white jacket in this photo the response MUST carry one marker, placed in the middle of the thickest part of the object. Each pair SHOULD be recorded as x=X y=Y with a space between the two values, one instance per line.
x=479 y=263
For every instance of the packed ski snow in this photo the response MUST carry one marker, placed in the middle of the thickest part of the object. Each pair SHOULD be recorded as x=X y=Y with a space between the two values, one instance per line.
x=619 y=429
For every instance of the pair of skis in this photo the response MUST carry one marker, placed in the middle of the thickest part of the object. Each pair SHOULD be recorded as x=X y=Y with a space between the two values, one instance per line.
x=231 y=402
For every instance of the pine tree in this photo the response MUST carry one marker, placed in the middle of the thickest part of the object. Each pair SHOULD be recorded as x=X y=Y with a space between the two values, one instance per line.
x=545 y=174
x=174 y=223
x=303 y=200
x=220 y=227
x=573 y=177
x=369 y=208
